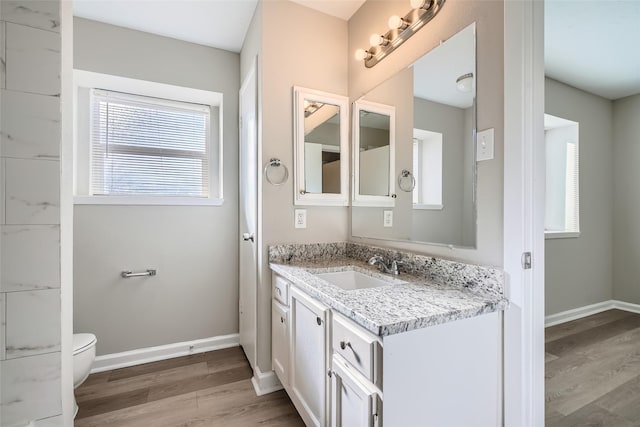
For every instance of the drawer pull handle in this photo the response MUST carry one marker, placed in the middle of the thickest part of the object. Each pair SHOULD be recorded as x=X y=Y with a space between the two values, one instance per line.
x=345 y=344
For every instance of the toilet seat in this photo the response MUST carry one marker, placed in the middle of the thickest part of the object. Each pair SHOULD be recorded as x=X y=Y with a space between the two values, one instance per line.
x=81 y=342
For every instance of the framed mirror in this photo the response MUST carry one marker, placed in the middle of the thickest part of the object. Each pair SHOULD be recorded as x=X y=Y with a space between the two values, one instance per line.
x=321 y=143
x=373 y=154
x=435 y=164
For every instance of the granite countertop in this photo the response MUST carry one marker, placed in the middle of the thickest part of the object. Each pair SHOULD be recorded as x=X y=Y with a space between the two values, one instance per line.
x=388 y=310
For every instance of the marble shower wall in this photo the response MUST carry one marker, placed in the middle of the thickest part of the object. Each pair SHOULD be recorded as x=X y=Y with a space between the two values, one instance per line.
x=30 y=138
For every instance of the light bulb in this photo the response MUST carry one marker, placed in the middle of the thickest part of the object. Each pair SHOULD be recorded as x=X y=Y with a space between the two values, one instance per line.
x=362 y=54
x=377 y=39
x=395 y=22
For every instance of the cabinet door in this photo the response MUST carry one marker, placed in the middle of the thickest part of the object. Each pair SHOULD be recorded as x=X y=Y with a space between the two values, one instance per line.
x=280 y=341
x=353 y=404
x=308 y=374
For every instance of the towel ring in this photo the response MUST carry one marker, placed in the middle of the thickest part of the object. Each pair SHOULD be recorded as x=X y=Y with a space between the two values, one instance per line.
x=402 y=178
x=275 y=163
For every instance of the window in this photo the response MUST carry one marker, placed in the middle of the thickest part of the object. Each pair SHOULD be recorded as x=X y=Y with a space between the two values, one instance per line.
x=427 y=169
x=146 y=143
x=142 y=145
x=562 y=214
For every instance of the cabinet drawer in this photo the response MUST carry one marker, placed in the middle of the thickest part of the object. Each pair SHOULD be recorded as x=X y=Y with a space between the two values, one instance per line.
x=360 y=348
x=281 y=289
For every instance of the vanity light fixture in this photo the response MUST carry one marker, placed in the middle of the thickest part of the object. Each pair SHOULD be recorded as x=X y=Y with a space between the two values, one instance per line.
x=464 y=83
x=401 y=28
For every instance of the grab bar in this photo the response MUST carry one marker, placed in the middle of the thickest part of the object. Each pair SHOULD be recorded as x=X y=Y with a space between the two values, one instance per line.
x=149 y=272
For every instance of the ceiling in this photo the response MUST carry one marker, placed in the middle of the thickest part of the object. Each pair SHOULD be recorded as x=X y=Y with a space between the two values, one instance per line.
x=343 y=9
x=435 y=74
x=594 y=45
x=217 y=23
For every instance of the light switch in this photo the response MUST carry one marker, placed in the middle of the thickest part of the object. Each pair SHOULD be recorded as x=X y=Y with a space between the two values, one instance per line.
x=485 y=145
x=388 y=219
x=301 y=218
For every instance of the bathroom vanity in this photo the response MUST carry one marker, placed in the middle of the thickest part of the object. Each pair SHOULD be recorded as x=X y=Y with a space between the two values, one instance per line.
x=356 y=347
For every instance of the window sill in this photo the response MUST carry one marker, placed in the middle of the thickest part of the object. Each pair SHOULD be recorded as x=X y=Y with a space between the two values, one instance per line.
x=145 y=201
x=428 y=207
x=561 y=234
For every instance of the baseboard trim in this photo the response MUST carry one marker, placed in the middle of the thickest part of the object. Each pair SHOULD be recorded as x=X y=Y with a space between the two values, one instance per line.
x=265 y=382
x=588 y=310
x=626 y=306
x=139 y=356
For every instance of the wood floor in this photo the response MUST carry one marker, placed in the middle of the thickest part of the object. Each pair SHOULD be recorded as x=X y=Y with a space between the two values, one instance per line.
x=592 y=371
x=207 y=389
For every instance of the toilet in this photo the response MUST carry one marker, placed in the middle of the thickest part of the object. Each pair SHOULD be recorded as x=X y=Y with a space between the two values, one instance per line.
x=84 y=351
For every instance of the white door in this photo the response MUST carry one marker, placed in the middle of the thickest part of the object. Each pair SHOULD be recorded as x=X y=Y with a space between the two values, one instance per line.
x=352 y=404
x=280 y=341
x=248 y=214
x=308 y=370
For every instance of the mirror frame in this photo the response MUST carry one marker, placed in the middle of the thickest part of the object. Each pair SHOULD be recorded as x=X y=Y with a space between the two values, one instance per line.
x=302 y=198
x=386 y=110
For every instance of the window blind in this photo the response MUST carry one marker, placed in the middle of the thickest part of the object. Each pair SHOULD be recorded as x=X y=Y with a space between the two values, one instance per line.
x=148 y=146
x=572 y=204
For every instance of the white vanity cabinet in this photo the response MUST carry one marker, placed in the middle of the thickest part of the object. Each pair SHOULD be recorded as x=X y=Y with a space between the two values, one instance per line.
x=338 y=374
x=308 y=368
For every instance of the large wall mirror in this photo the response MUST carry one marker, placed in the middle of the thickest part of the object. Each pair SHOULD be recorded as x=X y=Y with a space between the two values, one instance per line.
x=321 y=143
x=434 y=167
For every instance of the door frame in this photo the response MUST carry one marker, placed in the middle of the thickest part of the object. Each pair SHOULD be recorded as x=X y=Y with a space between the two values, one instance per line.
x=524 y=182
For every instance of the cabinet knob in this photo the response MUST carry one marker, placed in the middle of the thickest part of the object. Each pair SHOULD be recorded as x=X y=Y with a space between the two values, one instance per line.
x=344 y=345
x=281 y=319
x=319 y=320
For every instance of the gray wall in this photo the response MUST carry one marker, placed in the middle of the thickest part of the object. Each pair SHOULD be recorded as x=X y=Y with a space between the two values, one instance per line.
x=579 y=270
x=315 y=58
x=194 y=248
x=30 y=327
x=626 y=203
x=444 y=226
x=488 y=16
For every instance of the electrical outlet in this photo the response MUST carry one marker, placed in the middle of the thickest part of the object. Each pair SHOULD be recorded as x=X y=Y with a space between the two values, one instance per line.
x=301 y=218
x=388 y=219
x=484 y=145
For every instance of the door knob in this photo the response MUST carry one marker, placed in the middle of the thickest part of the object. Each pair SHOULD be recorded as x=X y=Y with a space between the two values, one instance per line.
x=247 y=237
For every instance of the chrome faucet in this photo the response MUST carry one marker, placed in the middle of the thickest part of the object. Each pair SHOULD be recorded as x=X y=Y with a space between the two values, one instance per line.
x=382 y=265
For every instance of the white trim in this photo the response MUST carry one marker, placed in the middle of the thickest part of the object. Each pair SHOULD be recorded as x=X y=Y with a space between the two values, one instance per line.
x=139 y=356
x=523 y=229
x=427 y=207
x=561 y=234
x=589 y=310
x=626 y=306
x=577 y=313
x=150 y=200
x=265 y=382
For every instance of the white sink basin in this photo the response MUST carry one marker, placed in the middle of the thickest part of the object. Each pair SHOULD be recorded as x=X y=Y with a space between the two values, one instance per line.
x=351 y=280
